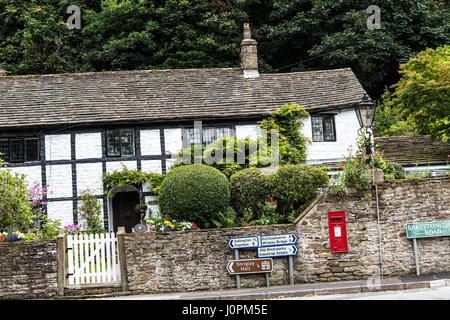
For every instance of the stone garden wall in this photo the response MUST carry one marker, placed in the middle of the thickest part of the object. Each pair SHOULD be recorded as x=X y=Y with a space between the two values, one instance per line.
x=400 y=203
x=194 y=260
x=28 y=269
x=187 y=261
x=197 y=260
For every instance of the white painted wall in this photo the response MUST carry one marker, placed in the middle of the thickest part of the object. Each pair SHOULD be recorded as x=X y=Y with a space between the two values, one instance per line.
x=59 y=179
x=244 y=131
x=88 y=145
x=89 y=176
x=118 y=165
x=62 y=211
x=173 y=141
x=346 y=134
x=32 y=174
x=150 y=142
x=57 y=147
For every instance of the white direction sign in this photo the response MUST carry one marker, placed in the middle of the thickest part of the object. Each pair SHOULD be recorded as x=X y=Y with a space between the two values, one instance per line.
x=243 y=242
x=278 y=239
x=277 y=251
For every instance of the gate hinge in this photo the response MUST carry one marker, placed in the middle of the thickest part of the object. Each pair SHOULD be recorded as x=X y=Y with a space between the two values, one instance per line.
x=69 y=274
x=67 y=249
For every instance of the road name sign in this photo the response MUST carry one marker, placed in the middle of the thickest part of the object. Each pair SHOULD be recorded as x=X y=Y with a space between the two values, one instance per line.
x=278 y=251
x=428 y=229
x=243 y=242
x=277 y=239
x=250 y=266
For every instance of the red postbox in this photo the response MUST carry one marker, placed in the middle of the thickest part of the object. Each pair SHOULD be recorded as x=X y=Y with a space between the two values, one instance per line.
x=338 y=231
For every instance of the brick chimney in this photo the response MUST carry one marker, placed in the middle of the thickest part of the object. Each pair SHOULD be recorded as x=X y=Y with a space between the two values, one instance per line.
x=249 y=56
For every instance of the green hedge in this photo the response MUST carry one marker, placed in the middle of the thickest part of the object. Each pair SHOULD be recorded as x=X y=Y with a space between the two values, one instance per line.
x=194 y=193
x=295 y=186
x=249 y=187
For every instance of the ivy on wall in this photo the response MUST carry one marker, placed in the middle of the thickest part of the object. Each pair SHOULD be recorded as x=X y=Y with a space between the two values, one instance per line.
x=126 y=177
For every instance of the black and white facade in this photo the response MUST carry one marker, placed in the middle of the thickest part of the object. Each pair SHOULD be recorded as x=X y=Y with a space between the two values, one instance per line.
x=67 y=130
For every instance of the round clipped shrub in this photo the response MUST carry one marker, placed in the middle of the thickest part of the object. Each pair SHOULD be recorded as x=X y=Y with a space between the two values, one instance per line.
x=295 y=186
x=249 y=187
x=195 y=193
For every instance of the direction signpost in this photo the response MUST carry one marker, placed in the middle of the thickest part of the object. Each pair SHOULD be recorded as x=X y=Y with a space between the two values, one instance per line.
x=278 y=251
x=250 y=266
x=419 y=230
x=268 y=246
x=277 y=239
x=243 y=243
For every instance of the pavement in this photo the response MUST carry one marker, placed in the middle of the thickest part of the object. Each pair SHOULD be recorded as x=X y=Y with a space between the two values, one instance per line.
x=296 y=290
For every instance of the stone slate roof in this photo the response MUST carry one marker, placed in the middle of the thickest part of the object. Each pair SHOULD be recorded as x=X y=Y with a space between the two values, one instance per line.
x=412 y=151
x=167 y=95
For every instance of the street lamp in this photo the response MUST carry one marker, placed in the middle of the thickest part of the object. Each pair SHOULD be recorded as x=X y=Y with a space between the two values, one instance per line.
x=365 y=113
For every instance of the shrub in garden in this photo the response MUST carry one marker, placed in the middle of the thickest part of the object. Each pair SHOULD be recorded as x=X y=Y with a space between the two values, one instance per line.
x=194 y=192
x=295 y=186
x=15 y=207
x=90 y=211
x=249 y=187
x=22 y=209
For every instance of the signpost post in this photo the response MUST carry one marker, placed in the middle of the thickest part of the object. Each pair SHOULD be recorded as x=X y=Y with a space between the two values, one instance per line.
x=426 y=230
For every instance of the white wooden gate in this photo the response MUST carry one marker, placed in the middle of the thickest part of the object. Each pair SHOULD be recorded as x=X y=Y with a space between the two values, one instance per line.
x=92 y=259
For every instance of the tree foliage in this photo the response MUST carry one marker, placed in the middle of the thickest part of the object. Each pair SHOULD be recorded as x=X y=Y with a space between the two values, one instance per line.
x=423 y=92
x=293 y=35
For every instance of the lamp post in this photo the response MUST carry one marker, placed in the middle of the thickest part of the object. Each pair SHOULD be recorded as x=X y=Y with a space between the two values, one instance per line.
x=366 y=114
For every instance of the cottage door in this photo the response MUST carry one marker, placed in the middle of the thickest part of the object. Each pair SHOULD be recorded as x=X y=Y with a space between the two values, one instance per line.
x=124 y=210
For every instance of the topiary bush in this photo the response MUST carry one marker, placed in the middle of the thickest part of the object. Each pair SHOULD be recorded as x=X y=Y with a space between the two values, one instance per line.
x=249 y=187
x=194 y=192
x=295 y=186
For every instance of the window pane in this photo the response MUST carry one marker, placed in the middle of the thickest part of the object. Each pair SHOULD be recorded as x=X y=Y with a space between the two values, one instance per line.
x=317 y=128
x=193 y=137
x=113 y=143
x=127 y=142
x=329 y=129
x=4 y=149
x=209 y=135
x=224 y=132
x=16 y=148
x=31 y=149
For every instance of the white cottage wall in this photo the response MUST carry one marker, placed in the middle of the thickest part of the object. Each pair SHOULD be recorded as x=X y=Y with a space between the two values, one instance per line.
x=59 y=180
x=93 y=140
x=347 y=126
x=62 y=211
x=89 y=177
x=150 y=142
x=32 y=174
x=58 y=147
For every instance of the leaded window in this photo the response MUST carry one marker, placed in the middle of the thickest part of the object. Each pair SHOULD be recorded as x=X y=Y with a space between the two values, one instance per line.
x=120 y=142
x=19 y=149
x=207 y=135
x=323 y=128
